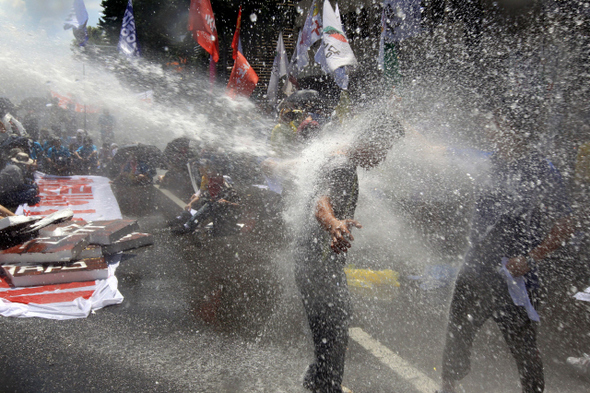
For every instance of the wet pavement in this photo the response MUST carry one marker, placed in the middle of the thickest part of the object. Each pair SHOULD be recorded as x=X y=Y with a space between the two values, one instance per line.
x=224 y=316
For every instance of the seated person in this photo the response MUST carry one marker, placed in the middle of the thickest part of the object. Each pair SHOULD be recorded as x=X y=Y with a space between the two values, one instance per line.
x=58 y=158
x=135 y=171
x=78 y=141
x=214 y=202
x=17 y=184
x=87 y=156
x=37 y=154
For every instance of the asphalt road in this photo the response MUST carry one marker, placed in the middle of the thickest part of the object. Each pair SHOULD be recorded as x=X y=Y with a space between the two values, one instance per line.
x=225 y=316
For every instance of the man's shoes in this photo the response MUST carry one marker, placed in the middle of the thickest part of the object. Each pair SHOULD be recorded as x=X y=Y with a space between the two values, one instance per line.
x=581 y=364
x=309 y=378
x=181 y=229
x=310 y=383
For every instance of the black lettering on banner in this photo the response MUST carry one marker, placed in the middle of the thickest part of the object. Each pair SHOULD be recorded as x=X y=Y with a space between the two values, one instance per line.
x=332 y=51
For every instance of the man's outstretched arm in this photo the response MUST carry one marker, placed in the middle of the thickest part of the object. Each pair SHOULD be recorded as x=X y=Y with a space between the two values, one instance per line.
x=339 y=229
x=561 y=231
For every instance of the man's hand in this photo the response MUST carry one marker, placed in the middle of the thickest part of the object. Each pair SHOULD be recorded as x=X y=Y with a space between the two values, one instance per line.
x=339 y=230
x=226 y=202
x=518 y=266
x=340 y=234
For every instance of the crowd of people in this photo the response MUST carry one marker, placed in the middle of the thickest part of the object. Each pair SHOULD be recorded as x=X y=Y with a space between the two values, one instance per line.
x=523 y=212
x=57 y=150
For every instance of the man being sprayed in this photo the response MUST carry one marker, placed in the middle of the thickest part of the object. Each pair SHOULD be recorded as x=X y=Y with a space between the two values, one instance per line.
x=521 y=215
x=322 y=243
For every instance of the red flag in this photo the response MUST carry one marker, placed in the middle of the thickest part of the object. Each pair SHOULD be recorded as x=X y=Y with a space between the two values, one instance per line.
x=235 y=44
x=243 y=79
x=201 y=22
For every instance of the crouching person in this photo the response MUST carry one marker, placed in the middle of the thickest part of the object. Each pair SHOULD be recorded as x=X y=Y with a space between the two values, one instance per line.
x=17 y=183
x=216 y=202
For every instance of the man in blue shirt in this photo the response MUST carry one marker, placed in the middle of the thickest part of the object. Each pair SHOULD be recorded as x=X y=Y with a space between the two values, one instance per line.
x=521 y=215
x=87 y=156
x=58 y=157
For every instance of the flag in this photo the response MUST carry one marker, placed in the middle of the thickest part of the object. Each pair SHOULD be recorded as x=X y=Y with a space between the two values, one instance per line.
x=243 y=78
x=320 y=58
x=279 y=69
x=66 y=101
x=128 y=38
x=337 y=49
x=340 y=75
x=77 y=22
x=312 y=32
x=400 y=19
x=294 y=64
x=236 y=43
x=292 y=71
x=201 y=22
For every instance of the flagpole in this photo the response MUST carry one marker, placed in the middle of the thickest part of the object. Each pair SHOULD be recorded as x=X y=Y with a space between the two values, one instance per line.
x=84 y=90
x=212 y=72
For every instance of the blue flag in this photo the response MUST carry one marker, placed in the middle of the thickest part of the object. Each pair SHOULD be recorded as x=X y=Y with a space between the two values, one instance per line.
x=128 y=39
x=77 y=22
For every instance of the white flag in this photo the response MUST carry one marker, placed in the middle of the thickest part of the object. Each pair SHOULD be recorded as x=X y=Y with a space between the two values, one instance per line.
x=312 y=32
x=337 y=49
x=279 y=69
x=340 y=75
x=294 y=64
x=78 y=16
x=77 y=22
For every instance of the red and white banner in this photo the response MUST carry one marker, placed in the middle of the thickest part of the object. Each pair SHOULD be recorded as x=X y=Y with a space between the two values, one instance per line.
x=90 y=197
x=60 y=301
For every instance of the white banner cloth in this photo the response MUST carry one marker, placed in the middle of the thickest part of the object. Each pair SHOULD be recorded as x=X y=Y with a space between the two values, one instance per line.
x=61 y=301
x=90 y=197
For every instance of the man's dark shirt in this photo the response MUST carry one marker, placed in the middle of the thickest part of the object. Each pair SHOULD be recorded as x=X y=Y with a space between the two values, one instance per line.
x=338 y=180
x=515 y=209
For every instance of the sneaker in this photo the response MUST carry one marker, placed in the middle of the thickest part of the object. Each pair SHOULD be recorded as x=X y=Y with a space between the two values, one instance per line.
x=581 y=364
x=181 y=229
x=309 y=382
